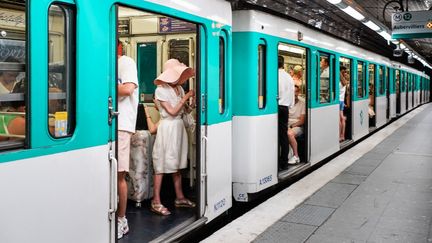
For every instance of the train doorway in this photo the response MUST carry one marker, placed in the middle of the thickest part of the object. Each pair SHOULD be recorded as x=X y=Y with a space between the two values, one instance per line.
x=387 y=90
x=372 y=96
x=345 y=101
x=160 y=201
x=398 y=91
x=295 y=67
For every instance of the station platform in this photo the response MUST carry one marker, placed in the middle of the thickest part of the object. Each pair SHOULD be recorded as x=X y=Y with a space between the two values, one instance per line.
x=378 y=191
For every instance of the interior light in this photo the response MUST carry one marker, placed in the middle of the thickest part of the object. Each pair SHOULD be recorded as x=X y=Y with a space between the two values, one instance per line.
x=402 y=46
x=353 y=13
x=187 y=5
x=334 y=1
x=291 y=49
x=385 y=35
x=372 y=25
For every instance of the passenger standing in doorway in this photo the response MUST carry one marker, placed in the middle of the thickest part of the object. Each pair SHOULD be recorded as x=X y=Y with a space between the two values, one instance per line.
x=343 y=81
x=171 y=144
x=286 y=100
x=127 y=91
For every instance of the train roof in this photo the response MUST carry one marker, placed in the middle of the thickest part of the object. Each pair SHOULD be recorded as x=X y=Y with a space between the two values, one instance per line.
x=256 y=21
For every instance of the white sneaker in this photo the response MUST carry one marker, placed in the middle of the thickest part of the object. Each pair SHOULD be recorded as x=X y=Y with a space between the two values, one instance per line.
x=294 y=160
x=122 y=227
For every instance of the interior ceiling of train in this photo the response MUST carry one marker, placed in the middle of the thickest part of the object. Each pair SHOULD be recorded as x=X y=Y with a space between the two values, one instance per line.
x=329 y=18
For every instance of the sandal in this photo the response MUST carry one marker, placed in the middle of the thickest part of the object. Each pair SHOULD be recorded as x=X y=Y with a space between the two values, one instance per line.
x=159 y=209
x=184 y=203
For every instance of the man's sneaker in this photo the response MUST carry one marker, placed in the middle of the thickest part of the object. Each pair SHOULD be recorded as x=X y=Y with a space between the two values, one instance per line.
x=122 y=227
x=294 y=160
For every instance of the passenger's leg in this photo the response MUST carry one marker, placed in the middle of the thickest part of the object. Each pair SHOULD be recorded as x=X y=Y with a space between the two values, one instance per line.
x=293 y=142
x=178 y=185
x=157 y=188
x=122 y=193
x=123 y=167
x=341 y=126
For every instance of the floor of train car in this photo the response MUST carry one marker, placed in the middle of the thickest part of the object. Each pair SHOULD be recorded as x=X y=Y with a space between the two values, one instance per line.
x=144 y=225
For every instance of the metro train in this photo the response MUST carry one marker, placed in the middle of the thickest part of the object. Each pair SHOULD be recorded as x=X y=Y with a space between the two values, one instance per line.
x=58 y=177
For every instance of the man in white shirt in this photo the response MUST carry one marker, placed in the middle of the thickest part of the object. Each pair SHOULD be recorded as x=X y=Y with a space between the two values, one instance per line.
x=324 y=79
x=286 y=99
x=127 y=92
x=296 y=121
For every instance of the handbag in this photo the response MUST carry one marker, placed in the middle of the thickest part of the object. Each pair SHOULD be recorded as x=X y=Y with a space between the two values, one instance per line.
x=188 y=120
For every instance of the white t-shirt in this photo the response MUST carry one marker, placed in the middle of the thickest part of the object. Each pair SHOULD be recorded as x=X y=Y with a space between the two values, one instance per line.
x=127 y=105
x=296 y=111
x=286 y=89
x=167 y=93
x=342 y=92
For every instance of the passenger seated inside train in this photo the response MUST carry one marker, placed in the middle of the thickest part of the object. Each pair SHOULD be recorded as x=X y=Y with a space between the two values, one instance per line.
x=8 y=78
x=296 y=121
x=12 y=121
x=298 y=75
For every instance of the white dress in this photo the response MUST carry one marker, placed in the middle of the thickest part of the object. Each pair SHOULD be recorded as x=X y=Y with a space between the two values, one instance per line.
x=171 y=145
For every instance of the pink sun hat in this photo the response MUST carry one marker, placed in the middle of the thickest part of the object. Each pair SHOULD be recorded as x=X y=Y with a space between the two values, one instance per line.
x=174 y=72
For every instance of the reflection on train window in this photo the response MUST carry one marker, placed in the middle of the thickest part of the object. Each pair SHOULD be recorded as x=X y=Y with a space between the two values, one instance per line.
x=295 y=58
x=13 y=84
x=361 y=80
x=326 y=92
x=262 y=79
x=403 y=81
x=381 y=80
x=61 y=70
x=222 y=49
x=182 y=50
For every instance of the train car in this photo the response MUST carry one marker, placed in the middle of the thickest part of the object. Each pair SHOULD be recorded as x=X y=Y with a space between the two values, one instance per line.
x=372 y=96
x=58 y=175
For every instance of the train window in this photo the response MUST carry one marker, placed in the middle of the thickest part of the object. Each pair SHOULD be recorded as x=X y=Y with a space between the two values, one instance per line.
x=295 y=64
x=222 y=64
x=381 y=80
x=326 y=92
x=61 y=71
x=361 y=80
x=403 y=82
x=371 y=79
x=262 y=79
x=13 y=85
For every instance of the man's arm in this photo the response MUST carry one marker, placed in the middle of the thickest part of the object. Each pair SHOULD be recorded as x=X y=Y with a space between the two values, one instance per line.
x=126 y=89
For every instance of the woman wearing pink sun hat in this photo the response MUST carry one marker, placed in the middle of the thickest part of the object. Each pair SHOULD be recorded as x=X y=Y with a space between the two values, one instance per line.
x=171 y=145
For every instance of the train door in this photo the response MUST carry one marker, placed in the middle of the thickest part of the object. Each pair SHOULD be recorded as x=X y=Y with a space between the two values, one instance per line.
x=408 y=91
x=296 y=65
x=148 y=39
x=381 y=99
x=388 y=93
x=345 y=100
x=398 y=90
x=372 y=96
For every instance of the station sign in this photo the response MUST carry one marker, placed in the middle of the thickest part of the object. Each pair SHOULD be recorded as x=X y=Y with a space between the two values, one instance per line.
x=414 y=24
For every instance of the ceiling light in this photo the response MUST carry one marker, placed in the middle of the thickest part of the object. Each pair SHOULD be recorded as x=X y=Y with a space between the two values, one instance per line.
x=334 y=1
x=353 y=13
x=385 y=35
x=372 y=25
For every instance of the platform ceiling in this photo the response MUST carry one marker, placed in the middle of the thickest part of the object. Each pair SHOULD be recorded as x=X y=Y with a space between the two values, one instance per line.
x=328 y=18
